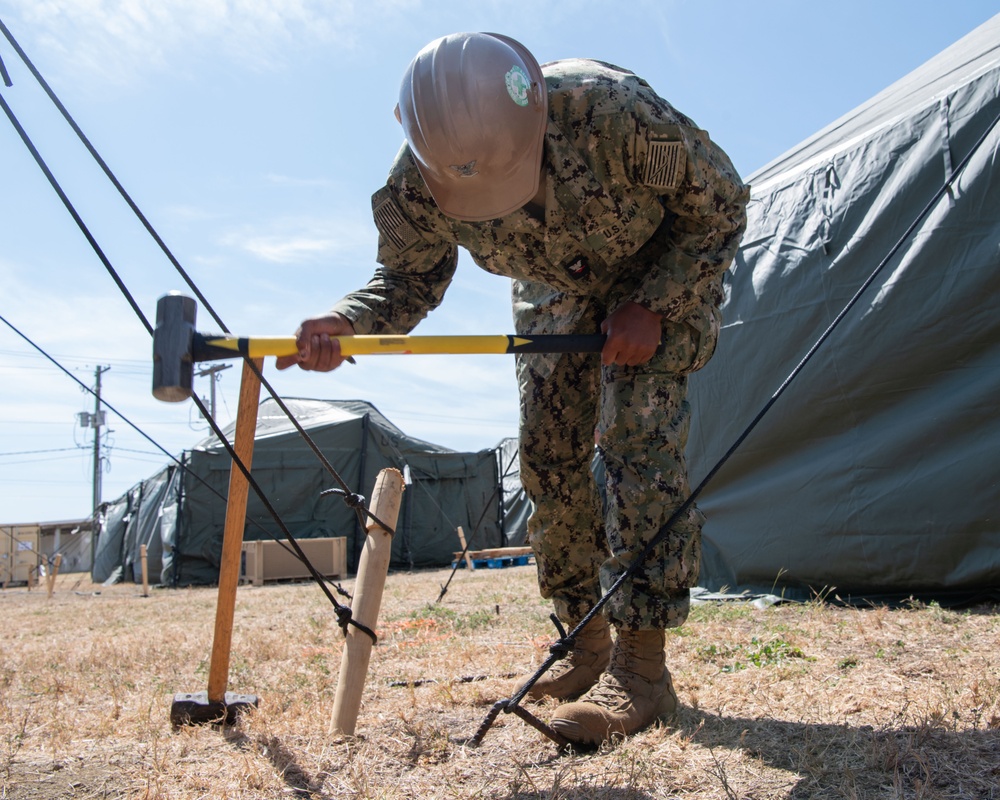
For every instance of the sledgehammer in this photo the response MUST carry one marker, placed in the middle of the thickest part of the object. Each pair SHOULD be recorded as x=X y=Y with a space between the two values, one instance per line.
x=177 y=346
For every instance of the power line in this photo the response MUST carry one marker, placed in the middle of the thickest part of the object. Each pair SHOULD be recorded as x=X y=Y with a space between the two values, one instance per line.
x=63 y=357
x=34 y=452
x=36 y=461
x=86 y=388
x=125 y=367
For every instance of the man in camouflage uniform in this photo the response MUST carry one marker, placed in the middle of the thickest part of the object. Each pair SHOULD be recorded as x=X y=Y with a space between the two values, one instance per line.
x=610 y=211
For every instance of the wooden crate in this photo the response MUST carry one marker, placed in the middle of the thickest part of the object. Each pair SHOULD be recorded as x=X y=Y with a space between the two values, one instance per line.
x=19 y=554
x=268 y=560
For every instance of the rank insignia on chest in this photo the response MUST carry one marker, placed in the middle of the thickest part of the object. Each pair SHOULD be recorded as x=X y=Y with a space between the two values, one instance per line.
x=577 y=268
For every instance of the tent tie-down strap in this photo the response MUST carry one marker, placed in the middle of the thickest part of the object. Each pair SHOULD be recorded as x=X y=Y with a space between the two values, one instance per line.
x=565 y=644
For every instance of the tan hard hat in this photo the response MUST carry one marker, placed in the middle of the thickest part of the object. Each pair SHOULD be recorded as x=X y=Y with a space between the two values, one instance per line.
x=474 y=110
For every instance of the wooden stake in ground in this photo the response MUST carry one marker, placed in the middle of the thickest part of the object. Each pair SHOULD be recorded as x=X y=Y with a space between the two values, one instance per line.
x=145 y=570
x=372 y=570
x=50 y=579
x=465 y=549
x=217 y=704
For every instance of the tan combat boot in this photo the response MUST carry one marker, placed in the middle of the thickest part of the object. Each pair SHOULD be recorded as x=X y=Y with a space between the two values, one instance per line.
x=633 y=693
x=573 y=675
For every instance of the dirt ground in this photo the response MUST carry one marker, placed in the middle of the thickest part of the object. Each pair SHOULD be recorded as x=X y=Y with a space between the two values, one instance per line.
x=792 y=701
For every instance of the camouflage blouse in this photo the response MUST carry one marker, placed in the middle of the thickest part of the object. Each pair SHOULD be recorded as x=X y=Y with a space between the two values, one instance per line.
x=636 y=195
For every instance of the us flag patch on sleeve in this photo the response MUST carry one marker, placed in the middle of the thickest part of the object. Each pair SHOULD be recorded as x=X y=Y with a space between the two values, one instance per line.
x=665 y=162
x=393 y=226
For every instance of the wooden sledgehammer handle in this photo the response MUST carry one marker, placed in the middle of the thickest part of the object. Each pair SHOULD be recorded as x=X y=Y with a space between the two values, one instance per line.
x=372 y=569
x=232 y=536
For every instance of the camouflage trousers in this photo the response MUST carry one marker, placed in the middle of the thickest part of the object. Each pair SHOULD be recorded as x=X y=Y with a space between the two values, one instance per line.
x=626 y=425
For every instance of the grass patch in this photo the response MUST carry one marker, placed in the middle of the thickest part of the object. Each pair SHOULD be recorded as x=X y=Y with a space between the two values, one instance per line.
x=755 y=654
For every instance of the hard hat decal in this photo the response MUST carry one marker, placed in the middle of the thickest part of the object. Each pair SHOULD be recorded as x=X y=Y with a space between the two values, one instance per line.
x=466 y=170
x=518 y=85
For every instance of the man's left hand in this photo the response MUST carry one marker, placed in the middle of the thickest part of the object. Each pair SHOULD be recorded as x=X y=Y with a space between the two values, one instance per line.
x=633 y=333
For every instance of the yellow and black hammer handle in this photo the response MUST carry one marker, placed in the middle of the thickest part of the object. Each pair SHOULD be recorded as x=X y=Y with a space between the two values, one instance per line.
x=205 y=347
x=177 y=346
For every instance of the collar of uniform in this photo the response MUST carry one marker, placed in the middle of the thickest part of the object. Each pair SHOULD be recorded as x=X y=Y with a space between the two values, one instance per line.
x=573 y=189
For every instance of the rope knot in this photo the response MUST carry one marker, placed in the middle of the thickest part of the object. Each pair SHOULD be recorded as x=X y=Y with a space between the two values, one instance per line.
x=351 y=499
x=562 y=647
x=343 y=617
x=357 y=502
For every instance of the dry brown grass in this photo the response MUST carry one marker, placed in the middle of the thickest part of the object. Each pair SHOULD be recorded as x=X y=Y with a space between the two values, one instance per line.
x=796 y=701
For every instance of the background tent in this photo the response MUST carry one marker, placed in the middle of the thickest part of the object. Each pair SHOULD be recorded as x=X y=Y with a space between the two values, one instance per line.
x=877 y=471
x=180 y=512
x=135 y=519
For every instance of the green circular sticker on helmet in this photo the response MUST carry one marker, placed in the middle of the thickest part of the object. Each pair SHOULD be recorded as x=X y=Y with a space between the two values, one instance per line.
x=518 y=85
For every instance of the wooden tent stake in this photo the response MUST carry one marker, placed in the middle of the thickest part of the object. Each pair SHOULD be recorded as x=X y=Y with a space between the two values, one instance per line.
x=50 y=578
x=145 y=570
x=372 y=570
x=465 y=549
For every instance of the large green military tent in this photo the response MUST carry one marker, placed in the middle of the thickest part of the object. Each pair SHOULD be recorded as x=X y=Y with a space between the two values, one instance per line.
x=179 y=513
x=877 y=471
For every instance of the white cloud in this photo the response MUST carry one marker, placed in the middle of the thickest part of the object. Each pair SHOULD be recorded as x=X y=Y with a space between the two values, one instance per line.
x=287 y=250
x=118 y=40
x=300 y=241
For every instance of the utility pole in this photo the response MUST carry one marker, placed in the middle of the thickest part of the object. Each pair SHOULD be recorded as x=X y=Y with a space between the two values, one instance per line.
x=98 y=422
x=211 y=371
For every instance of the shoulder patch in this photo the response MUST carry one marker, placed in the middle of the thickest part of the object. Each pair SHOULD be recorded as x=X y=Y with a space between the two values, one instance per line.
x=665 y=165
x=393 y=226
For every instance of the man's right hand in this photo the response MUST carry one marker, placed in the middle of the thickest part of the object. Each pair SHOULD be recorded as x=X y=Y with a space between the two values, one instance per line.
x=317 y=350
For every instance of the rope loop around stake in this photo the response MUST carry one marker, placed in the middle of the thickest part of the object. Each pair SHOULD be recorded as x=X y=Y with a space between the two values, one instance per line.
x=345 y=618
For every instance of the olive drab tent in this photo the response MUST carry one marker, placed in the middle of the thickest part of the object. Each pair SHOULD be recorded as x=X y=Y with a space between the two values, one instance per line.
x=876 y=472
x=134 y=520
x=179 y=513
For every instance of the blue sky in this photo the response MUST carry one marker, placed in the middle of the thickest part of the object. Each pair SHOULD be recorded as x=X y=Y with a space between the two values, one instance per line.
x=252 y=133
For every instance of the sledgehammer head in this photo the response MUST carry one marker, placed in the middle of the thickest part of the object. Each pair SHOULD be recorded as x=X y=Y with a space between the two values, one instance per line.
x=173 y=363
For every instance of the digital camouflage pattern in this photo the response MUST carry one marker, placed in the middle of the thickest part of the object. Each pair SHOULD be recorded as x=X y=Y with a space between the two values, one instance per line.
x=641 y=206
x=639 y=418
